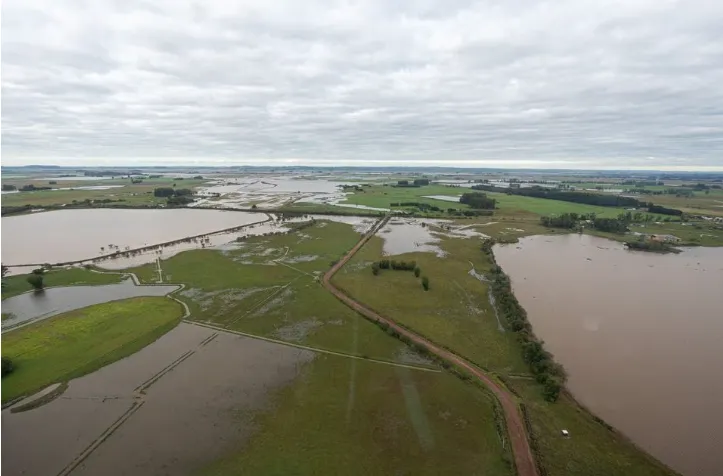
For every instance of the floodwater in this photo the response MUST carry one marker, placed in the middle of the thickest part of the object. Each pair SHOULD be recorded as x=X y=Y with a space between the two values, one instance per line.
x=33 y=306
x=639 y=334
x=70 y=235
x=178 y=420
x=410 y=235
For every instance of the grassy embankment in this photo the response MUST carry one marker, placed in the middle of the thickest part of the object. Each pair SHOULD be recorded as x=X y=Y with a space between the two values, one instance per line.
x=76 y=343
x=14 y=285
x=455 y=313
x=342 y=415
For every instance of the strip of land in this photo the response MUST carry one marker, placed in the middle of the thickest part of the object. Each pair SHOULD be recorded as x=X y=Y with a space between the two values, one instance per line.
x=524 y=459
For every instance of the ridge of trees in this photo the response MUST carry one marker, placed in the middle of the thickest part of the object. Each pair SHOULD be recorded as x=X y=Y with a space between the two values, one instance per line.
x=548 y=373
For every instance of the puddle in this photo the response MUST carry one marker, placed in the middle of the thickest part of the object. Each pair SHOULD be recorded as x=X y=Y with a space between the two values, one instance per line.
x=32 y=306
x=298 y=331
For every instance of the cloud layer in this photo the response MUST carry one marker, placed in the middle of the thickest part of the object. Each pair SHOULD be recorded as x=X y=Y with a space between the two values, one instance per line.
x=570 y=83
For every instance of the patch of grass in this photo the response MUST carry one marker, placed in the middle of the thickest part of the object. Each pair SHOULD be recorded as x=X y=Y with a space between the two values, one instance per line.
x=358 y=418
x=592 y=448
x=76 y=343
x=14 y=285
x=455 y=312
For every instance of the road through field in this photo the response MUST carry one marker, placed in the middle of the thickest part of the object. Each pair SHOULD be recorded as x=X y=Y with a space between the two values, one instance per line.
x=524 y=459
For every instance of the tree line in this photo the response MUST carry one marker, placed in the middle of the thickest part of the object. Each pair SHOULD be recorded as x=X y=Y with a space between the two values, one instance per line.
x=547 y=372
x=614 y=225
x=478 y=200
x=586 y=198
x=377 y=266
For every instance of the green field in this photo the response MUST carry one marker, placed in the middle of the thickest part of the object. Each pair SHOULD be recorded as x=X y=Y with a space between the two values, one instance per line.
x=352 y=417
x=76 y=343
x=507 y=205
x=244 y=289
x=14 y=285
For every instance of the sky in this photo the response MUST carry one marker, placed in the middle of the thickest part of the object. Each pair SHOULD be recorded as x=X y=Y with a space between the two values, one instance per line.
x=505 y=83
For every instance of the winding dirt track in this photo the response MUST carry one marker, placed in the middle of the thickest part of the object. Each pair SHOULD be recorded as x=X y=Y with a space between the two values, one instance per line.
x=524 y=459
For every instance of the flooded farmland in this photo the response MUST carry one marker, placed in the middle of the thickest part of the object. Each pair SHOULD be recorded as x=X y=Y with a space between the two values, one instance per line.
x=80 y=234
x=176 y=405
x=32 y=306
x=639 y=334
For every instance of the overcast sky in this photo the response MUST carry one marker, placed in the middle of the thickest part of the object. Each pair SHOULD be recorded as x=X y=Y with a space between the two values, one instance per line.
x=563 y=83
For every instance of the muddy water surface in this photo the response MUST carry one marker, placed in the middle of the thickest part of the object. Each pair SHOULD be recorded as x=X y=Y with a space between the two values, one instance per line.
x=639 y=334
x=179 y=418
x=32 y=306
x=70 y=235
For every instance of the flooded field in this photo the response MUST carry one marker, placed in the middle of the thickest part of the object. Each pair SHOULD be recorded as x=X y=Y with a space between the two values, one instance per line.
x=33 y=306
x=410 y=235
x=84 y=234
x=171 y=408
x=639 y=334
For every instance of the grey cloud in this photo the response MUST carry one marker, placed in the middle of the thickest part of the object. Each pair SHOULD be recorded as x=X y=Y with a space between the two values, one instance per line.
x=577 y=82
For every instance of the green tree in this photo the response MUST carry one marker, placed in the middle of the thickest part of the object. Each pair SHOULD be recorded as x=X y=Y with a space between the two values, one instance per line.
x=375 y=268
x=417 y=272
x=7 y=366
x=36 y=281
x=425 y=283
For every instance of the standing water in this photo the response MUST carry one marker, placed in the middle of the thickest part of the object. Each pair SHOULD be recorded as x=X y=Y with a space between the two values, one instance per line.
x=639 y=334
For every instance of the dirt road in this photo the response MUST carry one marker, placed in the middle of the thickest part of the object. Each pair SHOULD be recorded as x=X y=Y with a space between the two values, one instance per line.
x=524 y=459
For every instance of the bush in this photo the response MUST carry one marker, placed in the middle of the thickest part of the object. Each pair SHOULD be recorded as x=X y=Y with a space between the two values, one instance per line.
x=425 y=283
x=375 y=268
x=36 y=281
x=417 y=272
x=8 y=366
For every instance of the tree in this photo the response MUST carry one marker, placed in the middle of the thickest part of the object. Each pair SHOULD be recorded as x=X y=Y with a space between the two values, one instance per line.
x=164 y=191
x=5 y=270
x=417 y=272
x=36 y=281
x=7 y=366
x=375 y=268
x=425 y=283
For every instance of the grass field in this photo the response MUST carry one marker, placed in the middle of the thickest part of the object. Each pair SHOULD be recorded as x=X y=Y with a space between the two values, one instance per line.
x=507 y=205
x=352 y=417
x=14 y=285
x=592 y=448
x=244 y=289
x=78 y=342
x=455 y=312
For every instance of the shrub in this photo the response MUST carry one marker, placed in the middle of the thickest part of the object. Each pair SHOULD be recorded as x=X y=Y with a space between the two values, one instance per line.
x=417 y=272
x=425 y=283
x=36 y=281
x=7 y=366
x=375 y=268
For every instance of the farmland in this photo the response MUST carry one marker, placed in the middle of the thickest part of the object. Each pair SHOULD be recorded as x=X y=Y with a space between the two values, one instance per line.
x=74 y=344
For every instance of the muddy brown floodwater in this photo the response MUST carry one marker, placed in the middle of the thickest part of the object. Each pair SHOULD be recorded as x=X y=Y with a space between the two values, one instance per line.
x=183 y=402
x=639 y=334
x=80 y=234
